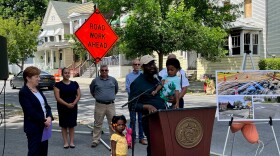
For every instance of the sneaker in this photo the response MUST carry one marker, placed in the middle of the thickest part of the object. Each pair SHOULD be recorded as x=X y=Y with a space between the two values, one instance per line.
x=94 y=144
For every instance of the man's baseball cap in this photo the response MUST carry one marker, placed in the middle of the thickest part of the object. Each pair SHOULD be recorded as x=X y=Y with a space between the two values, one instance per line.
x=146 y=59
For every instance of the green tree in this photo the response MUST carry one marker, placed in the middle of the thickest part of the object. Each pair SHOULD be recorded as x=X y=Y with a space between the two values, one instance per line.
x=237 y=103
x=30 y=9
x=247 y=98
x=167 y=26
x=21 y=38
x=215 y=15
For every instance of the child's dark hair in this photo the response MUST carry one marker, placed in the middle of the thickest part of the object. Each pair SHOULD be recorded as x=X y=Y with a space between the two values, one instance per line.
x=116 y=118
x=174 y=62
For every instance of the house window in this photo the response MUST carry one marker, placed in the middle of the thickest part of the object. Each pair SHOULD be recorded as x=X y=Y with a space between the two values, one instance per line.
x=236 y=45
x=59 y=37
x=54 y=59
x=75 y=25
x=247 y=8
x=246 y=42
x=226 y=47
x=51 y=38
x=255 y=43
x=46 y=39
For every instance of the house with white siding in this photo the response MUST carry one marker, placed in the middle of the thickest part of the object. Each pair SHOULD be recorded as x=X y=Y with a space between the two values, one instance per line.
x=53 y=51
x=273 y=27
x=246 y=34
x=257 y=31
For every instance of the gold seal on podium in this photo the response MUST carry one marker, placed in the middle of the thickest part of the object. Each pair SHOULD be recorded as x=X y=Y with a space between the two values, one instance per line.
x=188 y=132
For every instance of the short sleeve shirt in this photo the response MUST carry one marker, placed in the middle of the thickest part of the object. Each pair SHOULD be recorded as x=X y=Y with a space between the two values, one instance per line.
x=121 y=146
x=104 y=89
x=170 y=85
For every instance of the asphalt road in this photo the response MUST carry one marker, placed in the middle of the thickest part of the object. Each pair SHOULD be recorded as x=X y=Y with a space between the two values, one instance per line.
x=16 y=143
x=271 y=109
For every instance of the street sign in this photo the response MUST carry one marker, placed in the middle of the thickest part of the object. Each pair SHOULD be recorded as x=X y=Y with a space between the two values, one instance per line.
x=97 y=36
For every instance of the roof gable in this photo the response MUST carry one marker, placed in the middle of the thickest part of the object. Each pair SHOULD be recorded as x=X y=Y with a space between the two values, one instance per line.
x=85 y=8
x=57 y=12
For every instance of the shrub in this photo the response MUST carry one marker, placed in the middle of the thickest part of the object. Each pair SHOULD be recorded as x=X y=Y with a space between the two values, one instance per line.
x=269 y=64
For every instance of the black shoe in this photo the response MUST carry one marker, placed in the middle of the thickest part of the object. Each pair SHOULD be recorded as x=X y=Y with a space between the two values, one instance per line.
x=72 y=146
x=93 y=144
x=65 y=147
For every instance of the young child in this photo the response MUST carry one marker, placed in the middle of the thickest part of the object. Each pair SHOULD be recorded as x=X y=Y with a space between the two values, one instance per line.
x=119 y=146
x=171 y=83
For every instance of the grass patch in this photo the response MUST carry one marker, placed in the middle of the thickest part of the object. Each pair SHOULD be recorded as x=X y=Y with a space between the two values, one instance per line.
x=7 y=105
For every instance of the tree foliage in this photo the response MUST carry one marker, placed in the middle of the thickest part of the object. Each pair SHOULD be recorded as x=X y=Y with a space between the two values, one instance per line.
x=30 y=9
x=21 y=38
x=165 y=26
x=20 y=22
x=214 y=15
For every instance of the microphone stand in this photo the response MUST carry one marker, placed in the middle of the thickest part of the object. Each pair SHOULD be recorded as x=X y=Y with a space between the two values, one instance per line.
x=134 y=116
x=136 y=97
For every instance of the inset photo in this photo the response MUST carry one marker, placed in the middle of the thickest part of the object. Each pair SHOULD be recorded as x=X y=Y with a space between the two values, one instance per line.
x=238 y=107
x=266 y=106
x=255 y=82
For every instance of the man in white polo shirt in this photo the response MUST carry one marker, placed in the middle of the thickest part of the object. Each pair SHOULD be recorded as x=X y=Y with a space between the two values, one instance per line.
x=184 y=82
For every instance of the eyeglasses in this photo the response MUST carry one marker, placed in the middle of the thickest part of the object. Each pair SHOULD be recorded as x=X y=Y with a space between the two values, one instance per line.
x=136 y=64
x=104 y=70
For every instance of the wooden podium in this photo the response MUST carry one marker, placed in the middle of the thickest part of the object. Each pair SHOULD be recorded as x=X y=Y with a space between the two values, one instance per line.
x=182 y=132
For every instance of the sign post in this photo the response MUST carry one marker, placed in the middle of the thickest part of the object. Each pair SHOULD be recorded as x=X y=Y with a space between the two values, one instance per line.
x=97 y=36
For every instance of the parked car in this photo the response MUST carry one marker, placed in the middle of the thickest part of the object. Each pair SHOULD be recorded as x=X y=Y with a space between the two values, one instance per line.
x=46 y=80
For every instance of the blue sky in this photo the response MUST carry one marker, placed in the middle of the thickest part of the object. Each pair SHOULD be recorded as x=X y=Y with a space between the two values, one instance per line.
x=230 y=99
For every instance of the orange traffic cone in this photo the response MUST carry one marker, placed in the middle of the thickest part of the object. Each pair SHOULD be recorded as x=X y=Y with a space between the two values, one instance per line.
x=56 y=77
x=225 y=79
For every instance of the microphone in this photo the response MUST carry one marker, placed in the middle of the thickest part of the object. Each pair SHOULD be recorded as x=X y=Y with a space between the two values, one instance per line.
x=156 y=77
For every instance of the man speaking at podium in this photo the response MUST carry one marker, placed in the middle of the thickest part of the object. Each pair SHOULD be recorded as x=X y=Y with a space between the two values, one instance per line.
x=140 y=91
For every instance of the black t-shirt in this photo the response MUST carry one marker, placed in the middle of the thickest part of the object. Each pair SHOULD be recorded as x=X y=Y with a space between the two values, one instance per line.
x=140 y=85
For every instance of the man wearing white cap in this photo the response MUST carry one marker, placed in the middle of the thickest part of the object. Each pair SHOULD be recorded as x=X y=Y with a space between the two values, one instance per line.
x=146 y=103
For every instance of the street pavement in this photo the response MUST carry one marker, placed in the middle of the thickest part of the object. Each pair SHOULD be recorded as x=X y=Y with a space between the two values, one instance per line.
x=15 y=140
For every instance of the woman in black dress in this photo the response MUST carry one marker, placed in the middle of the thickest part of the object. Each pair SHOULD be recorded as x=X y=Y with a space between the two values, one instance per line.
x=67 y=94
